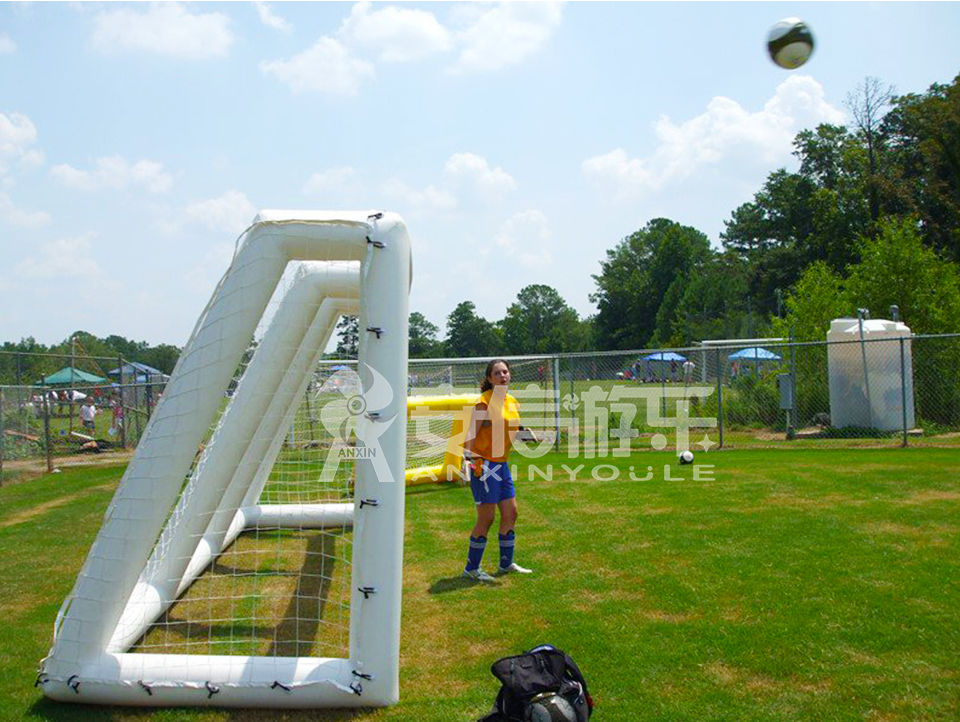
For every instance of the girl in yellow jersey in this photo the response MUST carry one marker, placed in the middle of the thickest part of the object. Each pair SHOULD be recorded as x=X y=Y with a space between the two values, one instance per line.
x=493 y=425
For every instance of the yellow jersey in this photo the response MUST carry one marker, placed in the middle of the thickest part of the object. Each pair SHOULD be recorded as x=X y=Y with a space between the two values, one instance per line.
x=499 y=421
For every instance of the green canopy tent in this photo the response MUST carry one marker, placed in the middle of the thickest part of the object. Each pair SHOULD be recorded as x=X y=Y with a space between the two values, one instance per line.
x=69 y=376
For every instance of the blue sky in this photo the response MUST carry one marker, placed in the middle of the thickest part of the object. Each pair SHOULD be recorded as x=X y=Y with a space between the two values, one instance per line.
x=519 y=141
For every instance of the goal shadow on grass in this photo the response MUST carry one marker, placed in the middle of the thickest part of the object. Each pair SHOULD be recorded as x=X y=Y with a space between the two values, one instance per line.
x=296 y=634
x=61 y=712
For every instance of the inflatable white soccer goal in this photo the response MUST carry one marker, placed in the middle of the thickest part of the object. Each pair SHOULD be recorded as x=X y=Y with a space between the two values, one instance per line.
x=241 y=562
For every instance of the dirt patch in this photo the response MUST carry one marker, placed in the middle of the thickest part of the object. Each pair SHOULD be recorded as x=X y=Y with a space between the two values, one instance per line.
x=761 y=684
x=791 y=501
x=934 y=535
x=658 y=615
x=41 y=509
x=656 y=510
x=586 y=601
x=26 y=469
x=932 y=495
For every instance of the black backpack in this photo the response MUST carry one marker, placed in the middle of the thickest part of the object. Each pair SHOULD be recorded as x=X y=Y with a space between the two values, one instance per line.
x=544 y=683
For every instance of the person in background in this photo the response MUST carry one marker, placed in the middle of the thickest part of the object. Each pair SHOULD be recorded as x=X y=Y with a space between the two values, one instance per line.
x=88 y=412
x=117 y=408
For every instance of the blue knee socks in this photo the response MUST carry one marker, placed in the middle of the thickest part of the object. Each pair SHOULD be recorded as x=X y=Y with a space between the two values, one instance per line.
x=506 y=549
x=475 y=552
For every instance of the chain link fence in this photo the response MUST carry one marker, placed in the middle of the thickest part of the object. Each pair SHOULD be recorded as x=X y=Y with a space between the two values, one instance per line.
x=890 y=391
x=67 y=408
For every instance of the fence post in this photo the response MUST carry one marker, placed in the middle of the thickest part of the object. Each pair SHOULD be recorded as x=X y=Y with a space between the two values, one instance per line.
x=3 y=434
x=46 y=431
x=313 y=436
x=19 y=384
x=123 y=413
x=793 y=380
x=903 y=392
x=719 y=399
x=556 y=403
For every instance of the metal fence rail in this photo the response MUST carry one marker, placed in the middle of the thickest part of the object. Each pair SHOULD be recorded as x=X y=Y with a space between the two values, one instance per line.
x=890 y=391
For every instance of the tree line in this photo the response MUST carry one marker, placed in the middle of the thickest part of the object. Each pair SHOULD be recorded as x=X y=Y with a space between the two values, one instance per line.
x=28 y=361
x=871 y=218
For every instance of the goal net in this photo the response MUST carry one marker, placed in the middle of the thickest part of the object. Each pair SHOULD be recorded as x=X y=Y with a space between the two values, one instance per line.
x=251 y=555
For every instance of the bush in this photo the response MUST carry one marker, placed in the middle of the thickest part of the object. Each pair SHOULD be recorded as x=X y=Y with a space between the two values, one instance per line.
x=753 y=401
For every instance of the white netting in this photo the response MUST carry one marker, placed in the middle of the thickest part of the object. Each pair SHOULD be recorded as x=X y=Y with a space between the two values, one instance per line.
x=272 y=591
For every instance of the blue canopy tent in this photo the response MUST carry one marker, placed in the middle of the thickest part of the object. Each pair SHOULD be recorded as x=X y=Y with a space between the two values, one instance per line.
x=141 y=373
x=665 y=356
x=139 y=383
x=754 y=353
x=661 y=366
x=755 y=356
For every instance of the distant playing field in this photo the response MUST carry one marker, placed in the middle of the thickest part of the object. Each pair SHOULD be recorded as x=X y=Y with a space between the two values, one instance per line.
x=785 y=584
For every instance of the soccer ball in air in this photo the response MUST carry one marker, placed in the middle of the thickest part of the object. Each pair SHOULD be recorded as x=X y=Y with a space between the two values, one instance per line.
x=790 y=43
x=686 y=457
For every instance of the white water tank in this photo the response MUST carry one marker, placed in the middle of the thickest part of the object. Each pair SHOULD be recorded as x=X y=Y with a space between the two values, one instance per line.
x=866 y=379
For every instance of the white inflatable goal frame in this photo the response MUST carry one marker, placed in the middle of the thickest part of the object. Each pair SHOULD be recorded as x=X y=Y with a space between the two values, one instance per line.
x=170 y=517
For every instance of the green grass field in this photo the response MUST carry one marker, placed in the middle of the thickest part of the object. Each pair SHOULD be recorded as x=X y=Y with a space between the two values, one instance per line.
x=796 y=584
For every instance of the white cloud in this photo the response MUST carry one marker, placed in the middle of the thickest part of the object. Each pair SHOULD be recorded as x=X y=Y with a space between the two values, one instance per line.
x=342 y=180
x=430 y=199
x=17 y=134
x=10 y=214
x=725 y=131
x=399 y=34
x=491 y=38
x=67 y=257
x=475 y=171
x=525 y=237
x=231 y=212
x=507 y=34
x=327 y=67
x=165 y=29
x=7 y=46
x=270 y=20
x=116 y=173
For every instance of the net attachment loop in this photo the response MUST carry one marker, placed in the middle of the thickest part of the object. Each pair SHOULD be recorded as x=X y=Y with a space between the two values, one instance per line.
x=375 y=216
x=367 y=591
x=146 y=687
x=42 y=678
x=74 y=685
x=369 y=502
x=362 y=675
x=377 y=330
x=281 y=685
x=357 y=688
x=376 y=244
x=212 y=689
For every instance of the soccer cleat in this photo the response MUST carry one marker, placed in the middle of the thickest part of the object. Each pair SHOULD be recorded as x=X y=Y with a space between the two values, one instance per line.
x=477 y=575
x=514 y=567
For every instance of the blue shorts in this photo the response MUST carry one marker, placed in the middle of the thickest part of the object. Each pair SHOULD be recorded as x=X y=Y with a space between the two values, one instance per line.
x=494 y=485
